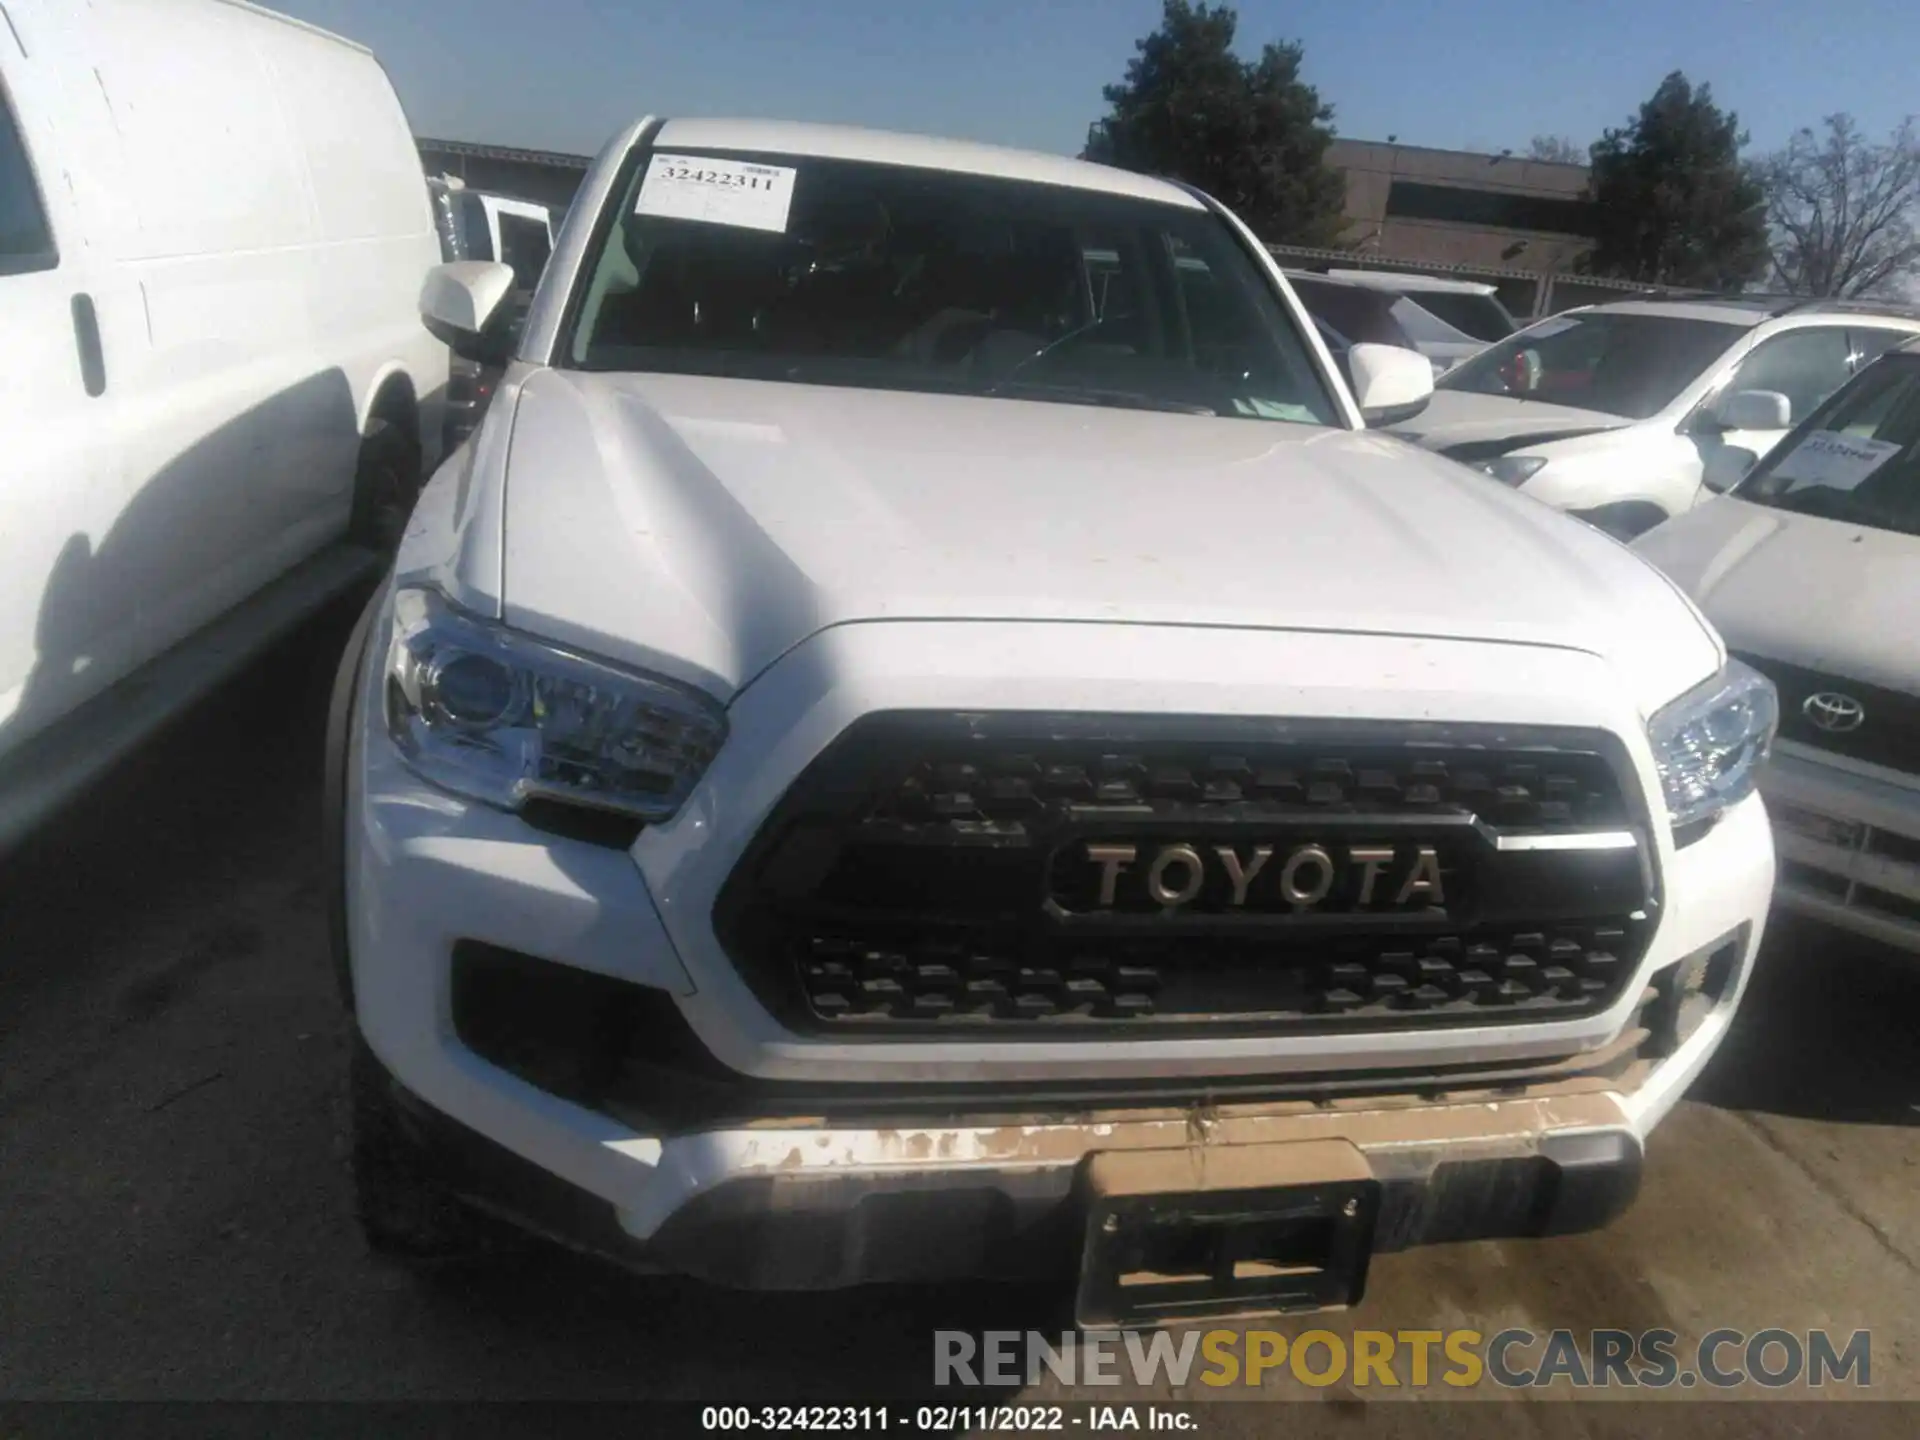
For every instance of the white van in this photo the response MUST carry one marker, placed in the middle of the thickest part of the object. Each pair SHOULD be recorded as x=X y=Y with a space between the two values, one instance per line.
x=213 y=232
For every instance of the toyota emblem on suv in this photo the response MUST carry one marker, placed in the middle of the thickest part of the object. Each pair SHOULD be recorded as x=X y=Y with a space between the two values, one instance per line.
x=1834 y=712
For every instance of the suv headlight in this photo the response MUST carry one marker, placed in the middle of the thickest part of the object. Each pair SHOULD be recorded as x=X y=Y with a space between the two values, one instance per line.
x=503 y=718
x=1709 y=744
x=1514 y=470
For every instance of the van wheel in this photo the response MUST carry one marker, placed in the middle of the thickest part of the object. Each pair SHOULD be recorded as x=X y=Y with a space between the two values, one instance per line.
x=405 y=1213
x=385 y=487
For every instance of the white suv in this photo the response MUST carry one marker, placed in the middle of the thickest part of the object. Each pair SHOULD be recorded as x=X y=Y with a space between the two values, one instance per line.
x=1628 y=413
x=870 y=766
x=1811 y=568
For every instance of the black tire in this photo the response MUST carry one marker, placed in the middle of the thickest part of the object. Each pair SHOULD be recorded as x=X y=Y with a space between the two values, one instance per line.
x=385 y=486
x=405 y=1213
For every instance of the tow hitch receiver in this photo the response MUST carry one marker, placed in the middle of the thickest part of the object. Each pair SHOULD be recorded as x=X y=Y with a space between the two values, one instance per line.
x=1212 y=1232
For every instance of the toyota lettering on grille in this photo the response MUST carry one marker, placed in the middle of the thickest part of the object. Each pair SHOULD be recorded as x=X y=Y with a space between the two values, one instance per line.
x=1107 y=876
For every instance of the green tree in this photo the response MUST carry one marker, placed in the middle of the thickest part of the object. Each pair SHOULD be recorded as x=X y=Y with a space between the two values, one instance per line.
x=1252 y=135
x=1674 y=202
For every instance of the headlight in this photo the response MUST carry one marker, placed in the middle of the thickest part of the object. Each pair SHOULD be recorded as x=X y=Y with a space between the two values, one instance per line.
x=1710 y=743
x=503 y=718
x=1515 y=470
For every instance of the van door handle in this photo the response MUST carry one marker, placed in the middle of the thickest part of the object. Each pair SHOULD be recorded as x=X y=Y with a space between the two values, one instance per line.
x=86 y=338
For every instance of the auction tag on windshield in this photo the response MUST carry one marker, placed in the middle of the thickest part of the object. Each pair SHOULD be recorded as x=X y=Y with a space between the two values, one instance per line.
x=719 y=192
x=1836 y=461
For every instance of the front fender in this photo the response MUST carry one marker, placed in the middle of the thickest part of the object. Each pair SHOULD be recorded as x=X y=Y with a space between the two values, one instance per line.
x=333 y=787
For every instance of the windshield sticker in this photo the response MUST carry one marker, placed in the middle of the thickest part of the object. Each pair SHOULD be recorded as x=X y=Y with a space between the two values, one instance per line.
x=1839 y=462
x=717 y=192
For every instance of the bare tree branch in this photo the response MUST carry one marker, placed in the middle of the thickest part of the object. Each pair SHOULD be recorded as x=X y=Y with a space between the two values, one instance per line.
x=1845 y=212
x=1557 y=149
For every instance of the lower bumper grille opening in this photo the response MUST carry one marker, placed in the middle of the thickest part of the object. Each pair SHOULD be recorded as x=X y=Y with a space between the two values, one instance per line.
x=1685 y=993
x=1096 y=875
x=858 y=982
x=1811 y=877
x=627 y=1051
x=1868 y=897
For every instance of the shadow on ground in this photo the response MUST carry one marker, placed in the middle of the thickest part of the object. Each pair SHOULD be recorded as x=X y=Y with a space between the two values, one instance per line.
x=1826 y=1031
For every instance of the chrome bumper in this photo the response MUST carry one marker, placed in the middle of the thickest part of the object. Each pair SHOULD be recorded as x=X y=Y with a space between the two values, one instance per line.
x=1849 y=844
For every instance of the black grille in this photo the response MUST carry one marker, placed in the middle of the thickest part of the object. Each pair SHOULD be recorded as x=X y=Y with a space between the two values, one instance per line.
x=627 y=1050
x=1358 y=981
x=932 y=872
x=1888 y=735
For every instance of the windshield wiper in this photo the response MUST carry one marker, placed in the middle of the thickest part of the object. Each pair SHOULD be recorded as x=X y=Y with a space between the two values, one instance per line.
x=1829 y=502
x=1095 y=395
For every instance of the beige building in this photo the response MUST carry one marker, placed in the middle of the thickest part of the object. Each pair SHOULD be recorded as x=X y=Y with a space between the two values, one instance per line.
x=1453 y=207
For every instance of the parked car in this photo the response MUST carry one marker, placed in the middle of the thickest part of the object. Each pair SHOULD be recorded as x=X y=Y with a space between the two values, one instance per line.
x=890 y=758
x=1471 y=308
x=212 y=239
x=1347 y=315
x=1619 y=412
x=484 y=225
x=1810 y=566
x=1449 y=320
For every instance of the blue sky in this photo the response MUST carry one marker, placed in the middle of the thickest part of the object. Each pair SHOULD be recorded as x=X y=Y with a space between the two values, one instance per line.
x=1470 y=74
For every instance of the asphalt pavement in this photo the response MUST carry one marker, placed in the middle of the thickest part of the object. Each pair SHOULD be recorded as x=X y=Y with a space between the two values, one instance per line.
x=174 y=1218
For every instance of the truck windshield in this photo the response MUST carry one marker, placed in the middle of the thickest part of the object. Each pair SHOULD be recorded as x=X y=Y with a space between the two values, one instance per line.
x=837 y=272
x=1619 y=364
x=1857 y=459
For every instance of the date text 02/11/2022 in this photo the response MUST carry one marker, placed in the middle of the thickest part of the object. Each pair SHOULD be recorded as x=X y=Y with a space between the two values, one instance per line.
x=946 y=1419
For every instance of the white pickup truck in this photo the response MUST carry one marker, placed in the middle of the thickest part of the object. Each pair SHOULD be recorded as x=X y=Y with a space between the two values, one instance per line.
x=871 y=766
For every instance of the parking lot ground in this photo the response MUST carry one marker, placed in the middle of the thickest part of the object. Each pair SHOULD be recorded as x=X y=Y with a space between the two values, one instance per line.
x=174 y=1214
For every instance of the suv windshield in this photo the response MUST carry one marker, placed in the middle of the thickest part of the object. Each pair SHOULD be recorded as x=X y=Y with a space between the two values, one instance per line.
x=838 y=272
x=1620 y=364
x=1857 y=459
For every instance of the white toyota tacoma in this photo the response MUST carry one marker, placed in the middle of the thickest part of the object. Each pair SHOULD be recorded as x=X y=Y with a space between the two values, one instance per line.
x=884 y=758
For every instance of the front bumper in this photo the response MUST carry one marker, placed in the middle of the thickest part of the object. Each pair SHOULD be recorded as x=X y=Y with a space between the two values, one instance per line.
x=1849 y=844
x=817 y=1209
x=805 y=1199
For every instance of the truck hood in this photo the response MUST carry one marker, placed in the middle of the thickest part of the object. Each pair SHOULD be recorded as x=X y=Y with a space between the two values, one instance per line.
x=1462 y=417
x=703 y=527
x=1817 y=593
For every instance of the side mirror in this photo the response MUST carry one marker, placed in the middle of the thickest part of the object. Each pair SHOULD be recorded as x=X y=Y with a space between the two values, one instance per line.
x=1389 y=384
x=461 y=306
x=1754 y=410
x=1726 y=467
